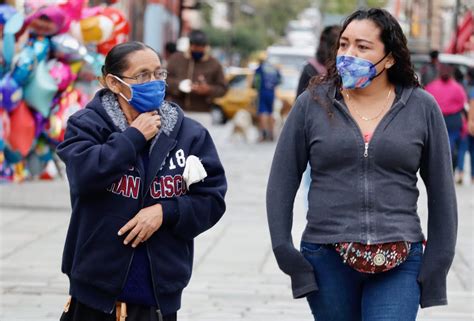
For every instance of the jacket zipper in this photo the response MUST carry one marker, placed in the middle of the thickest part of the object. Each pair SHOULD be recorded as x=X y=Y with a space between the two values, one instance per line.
x=366 y=164
x=366 y=190
x=158 y=308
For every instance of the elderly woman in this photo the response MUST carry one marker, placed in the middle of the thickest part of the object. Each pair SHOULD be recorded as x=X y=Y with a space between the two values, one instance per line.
x=144 y=181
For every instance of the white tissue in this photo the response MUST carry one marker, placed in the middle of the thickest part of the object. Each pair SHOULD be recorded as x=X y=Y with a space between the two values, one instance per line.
x=193 y=171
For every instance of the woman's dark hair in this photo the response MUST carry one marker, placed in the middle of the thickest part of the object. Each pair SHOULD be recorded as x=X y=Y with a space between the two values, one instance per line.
x=327 y=43
x=395 y=42
x=116 y=60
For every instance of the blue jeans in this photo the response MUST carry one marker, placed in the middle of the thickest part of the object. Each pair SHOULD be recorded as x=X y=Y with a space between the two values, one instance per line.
x=347 y=295
x=466 y=144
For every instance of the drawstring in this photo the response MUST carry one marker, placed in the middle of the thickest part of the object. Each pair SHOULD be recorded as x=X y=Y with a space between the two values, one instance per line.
x=121 y=311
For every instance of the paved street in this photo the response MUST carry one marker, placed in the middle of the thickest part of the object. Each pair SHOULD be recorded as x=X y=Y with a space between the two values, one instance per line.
x=235 y=274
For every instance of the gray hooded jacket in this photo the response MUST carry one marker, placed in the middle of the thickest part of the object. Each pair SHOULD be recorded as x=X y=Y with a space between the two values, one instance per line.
x=364 y=192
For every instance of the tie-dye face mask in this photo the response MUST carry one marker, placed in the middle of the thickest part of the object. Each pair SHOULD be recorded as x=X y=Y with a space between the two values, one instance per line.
x=356 y=72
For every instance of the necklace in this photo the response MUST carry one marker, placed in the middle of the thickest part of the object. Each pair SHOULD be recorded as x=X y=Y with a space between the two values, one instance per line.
x=369 y=118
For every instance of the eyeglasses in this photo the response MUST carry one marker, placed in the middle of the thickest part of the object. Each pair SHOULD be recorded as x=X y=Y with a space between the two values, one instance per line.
x=159 y=74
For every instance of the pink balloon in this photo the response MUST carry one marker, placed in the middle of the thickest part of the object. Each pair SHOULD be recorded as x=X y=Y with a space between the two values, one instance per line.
x=61 y=73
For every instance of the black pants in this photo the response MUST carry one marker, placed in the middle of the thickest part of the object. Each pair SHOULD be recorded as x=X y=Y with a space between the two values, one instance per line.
x=81 y=312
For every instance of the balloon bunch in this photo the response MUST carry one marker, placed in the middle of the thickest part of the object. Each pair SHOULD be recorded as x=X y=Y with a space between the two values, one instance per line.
x=49 y=56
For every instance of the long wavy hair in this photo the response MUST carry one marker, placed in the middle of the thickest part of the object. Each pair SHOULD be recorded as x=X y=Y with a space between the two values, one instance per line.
x=395 y=42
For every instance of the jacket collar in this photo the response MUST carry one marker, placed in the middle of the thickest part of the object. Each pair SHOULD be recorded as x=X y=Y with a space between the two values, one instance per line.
x=106 y=104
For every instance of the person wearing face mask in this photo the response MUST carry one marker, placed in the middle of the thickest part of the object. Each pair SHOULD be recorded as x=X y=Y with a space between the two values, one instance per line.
x=195 y=77
x=144 y=181
x=367 y=129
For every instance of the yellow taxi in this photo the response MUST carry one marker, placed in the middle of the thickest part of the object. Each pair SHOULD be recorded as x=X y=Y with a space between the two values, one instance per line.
x=240 y=95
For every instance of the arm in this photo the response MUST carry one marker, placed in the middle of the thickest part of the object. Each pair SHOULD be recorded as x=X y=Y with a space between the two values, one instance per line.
x=436 y=172
x=203 y=205
x=289 y=163
x=93 y=164
x=219 y=87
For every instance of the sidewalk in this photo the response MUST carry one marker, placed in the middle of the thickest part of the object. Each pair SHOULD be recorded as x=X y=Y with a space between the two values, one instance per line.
x=235 y=274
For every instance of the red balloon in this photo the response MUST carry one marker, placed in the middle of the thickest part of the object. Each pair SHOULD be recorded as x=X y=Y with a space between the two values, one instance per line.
x=22 y=129
x=120 y=33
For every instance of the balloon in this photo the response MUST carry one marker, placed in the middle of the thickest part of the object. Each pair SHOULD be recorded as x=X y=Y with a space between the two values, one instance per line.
x=6 y=12
x=24 y=66
x=4 y=128
x=73 y=8
x=70 y=102
x=57 y=21
x=39 y=92
x=12 y=26
x=22 y=129
x=68 y=48
x=93 y=67
x=41 y=46
x=105 y=47
x=120 y=33
x=12 y=157
x=40 y=121
x=61 y=73
x=10 y=93
x=93 y=29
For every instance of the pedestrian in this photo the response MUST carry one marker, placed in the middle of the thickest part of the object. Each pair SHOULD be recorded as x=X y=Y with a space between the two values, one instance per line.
x=195 y=77
x=144 y=181
x=451 y=97
x=366 y=128
x=267 y=77
x=467 y=135
x=430 y=70
x=170 y=49
x=317 y=66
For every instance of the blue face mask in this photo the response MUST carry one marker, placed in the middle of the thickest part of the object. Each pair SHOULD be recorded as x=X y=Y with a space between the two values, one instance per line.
x=147 y=96
x=356 y=72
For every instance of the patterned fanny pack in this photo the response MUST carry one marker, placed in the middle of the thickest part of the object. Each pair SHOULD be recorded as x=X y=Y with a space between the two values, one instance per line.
x=373 y=258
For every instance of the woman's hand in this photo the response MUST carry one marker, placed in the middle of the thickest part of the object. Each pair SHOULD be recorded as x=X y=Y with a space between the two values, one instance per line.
x=148 y=124
x=143 y=225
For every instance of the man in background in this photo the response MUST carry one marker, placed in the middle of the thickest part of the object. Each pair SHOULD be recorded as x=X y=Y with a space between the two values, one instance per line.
x=195 y=78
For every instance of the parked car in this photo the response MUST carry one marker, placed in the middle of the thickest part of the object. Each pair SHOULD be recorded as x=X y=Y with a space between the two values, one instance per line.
x=240 y=95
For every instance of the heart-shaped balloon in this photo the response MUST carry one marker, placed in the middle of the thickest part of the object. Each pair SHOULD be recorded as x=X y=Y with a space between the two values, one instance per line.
x=22 y=129
x=39 y=92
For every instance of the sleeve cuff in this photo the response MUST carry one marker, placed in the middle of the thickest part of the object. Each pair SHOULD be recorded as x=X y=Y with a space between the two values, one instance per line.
x=303 y=284
x=170 y=212
x=136 y=137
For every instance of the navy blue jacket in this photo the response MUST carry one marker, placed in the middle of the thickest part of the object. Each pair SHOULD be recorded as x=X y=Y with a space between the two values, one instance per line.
x=109 y=185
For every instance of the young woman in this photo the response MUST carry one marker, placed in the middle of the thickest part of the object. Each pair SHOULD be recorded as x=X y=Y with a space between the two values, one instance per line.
x=366 y=130
x=144 y=181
